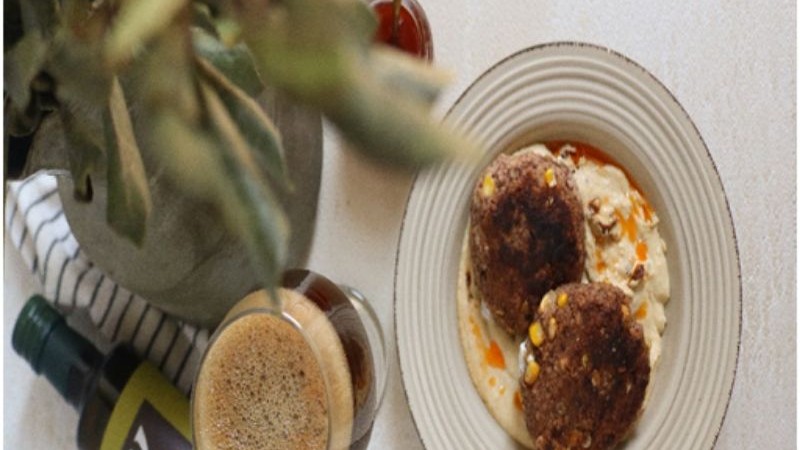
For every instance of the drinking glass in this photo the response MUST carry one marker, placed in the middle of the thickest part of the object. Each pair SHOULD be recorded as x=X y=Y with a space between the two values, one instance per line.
x=320 y=362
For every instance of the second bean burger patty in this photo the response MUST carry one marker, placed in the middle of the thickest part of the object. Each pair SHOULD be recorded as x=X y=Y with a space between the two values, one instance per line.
x=587 y=371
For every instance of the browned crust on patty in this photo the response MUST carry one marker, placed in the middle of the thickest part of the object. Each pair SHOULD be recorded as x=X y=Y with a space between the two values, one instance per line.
x=526 y=238
x=593 y=372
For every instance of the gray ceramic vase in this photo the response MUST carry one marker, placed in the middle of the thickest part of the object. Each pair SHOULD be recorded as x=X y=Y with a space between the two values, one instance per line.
x=189 y=265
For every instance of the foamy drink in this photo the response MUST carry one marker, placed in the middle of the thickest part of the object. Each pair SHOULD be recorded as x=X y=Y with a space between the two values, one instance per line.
x=262 y=386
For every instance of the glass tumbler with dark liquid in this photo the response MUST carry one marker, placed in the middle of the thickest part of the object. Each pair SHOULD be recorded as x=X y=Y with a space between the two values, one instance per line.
x=310 y=377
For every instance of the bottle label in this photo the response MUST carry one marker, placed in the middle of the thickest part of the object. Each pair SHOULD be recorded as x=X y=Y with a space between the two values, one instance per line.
x=150 y=414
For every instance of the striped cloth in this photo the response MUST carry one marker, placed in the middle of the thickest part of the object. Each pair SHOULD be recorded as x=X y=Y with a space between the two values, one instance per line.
x=36 y=225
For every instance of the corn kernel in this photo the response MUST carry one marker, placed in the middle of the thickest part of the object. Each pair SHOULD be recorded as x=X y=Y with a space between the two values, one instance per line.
x=488 y=186
x=562 y=299
x=551 y=328
x=625 y=311
x=531 y=372
x=547 y=302
x=585 y=360
x=536 y=333
x=550 y=177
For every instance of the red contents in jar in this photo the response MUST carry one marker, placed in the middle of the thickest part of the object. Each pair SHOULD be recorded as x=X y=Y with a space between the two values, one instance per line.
x=410 y=37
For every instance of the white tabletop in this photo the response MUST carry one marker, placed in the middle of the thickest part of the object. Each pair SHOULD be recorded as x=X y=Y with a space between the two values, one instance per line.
x=732 y=67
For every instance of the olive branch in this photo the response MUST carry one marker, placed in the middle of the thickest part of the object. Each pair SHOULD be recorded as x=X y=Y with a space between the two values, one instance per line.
x=106 y=85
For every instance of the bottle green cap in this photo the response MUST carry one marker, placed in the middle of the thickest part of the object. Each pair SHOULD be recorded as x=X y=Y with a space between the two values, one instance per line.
x=32 y=330
x=42 y=336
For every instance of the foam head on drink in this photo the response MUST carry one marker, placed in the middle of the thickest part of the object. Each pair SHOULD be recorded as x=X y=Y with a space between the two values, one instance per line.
x=264 y=384
x=261 y=385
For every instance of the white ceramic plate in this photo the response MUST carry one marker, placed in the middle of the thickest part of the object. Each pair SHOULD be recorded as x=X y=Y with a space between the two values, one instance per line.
x=591 y=94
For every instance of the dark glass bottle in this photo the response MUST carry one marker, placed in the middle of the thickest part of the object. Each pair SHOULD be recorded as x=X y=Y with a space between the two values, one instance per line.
x=124 y=403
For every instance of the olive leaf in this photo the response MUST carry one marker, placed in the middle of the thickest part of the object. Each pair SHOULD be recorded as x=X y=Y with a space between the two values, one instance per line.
x=404 y=73
x=228 y=30
x=173 y=81
x=235 y=62
x=376 y=120
x=84 y=138
x=129 y=202
x=39 y=16
x=308 y=65
x=82 y=88
x=258 y=130
x=253 y=211
x=190 y=130
x=75 y=62
x=202 y=18
x=163 y=77
x=194 y=159
x=136 y=23
x=79 y=70
x=22 y=121
x=374 y=98
x=21 y=65
x=188 y=153
x=194 y=155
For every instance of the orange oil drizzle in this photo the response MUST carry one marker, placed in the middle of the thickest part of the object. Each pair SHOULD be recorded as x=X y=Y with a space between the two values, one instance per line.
x=601 y=158
x=591 y=153
x=600 y=264
x=628 y=225
x=641 y=312
x=494 y=356
x=641 y=250
x=647 y=211
x=518 y=400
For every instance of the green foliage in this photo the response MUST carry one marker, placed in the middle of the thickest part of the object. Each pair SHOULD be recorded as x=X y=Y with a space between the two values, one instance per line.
x=116 y=83
x=84 y=145
x=256 y=128
x=21 y=66
x=252 y=209
x=137 y=22
x=127 y=181
x=235 y=62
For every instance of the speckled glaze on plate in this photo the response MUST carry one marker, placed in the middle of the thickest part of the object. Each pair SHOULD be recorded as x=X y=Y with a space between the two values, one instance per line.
x=579 y=92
